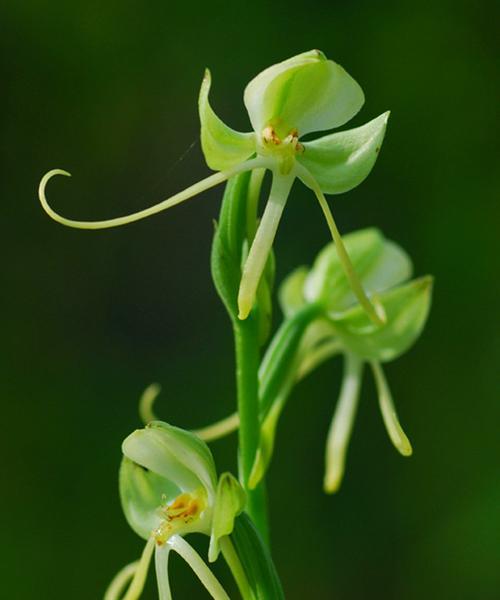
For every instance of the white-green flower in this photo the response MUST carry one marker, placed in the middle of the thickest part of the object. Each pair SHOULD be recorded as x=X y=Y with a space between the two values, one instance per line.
x=299 y=96
x=168 y=489
x=344 y=328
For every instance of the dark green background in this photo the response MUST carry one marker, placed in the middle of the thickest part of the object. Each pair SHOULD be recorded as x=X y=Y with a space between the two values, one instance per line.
x=108 y=91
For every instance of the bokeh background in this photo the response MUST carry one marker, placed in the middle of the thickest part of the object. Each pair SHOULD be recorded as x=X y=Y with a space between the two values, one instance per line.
x=108 y=91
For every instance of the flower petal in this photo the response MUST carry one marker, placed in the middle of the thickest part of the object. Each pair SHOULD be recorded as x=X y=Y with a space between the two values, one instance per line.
x=291 y=292
x=198 y=566
x=162 y=554
x=141 y=493
x=406 y=307
x=222 y=146
x=340 y=430
x=306 y=92
x=262 y=243
x=396 y=434
x=380 y=264
x=173 y=453
x=341 y=161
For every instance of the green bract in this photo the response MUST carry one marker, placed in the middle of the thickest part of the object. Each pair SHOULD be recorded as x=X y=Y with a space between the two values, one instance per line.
x=229 y=502
x=304 y=94
x=169 y=488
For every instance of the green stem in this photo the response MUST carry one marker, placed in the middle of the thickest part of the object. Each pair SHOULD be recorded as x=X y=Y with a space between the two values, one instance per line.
x=246 y=336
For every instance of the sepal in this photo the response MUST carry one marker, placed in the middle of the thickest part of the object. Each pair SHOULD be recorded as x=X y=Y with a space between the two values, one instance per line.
x=173 y=453
x=291 y=291
x=341 y=161
x=407 y=308
x=380 y=264
x=306 y=92
x=141 y=493
x=222 y=146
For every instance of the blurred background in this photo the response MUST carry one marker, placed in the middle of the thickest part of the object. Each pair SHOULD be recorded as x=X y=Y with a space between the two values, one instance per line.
x=108 y=91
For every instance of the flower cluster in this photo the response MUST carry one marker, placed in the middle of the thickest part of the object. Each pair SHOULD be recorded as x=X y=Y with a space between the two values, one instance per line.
x=357 y=301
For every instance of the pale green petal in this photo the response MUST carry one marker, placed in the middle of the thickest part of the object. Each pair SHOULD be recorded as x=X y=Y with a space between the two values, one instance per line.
x=379 y=263
x=262 y=243
x=173 y=453
x=141 y=493
x=396 y=434
x=392 y=267
x=162 y=554
x=306 y=92
x=198 y=566
x=406 y=308
x=341 y=161
x=327 y=280
x=291 y=292
x=229 y=502
x=340 y=430
x=222 y=146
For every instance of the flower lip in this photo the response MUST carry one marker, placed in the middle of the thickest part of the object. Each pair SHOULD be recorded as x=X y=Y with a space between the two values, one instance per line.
x=188 y=511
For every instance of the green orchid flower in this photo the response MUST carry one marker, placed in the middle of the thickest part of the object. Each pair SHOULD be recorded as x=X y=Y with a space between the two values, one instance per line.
x=342 y=327
x=168 y=489
x=299 y=96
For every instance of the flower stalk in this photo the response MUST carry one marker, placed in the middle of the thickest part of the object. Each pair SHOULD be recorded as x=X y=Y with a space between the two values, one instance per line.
x=247 y=383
